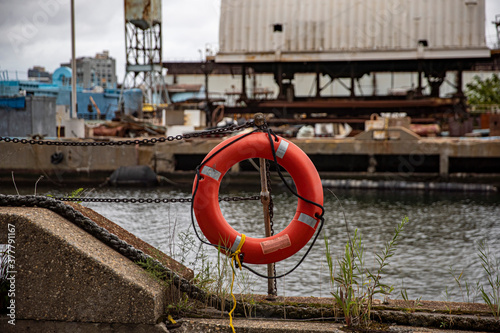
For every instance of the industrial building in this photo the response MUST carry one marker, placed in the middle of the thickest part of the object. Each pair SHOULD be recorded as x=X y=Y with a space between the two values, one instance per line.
x=341 y=60
x=99 y=71
x=39 y=73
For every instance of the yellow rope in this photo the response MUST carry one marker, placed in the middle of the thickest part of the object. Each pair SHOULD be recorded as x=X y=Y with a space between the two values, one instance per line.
x=235 y=256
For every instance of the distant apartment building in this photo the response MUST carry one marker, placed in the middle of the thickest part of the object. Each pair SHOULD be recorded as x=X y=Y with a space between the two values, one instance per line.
x=97 y=71
x=38 y=73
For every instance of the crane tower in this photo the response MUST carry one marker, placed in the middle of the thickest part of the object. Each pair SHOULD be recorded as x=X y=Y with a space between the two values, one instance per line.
x=143 y=48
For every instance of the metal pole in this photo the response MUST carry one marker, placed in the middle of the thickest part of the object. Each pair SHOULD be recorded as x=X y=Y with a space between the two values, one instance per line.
x=73 y=113
x=265 y=198
x=243 y=95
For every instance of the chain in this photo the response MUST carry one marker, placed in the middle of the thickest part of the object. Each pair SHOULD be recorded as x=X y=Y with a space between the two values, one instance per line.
x=271 y=204
x=271 y=215
x=217 y=131
x=223 y=130
x=150 y=200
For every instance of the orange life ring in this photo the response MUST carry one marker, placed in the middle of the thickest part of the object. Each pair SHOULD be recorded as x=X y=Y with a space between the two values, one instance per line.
x=303 y=172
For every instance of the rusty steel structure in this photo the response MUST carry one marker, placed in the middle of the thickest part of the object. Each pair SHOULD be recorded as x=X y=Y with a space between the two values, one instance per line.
x=143 y=47
x=354 y=110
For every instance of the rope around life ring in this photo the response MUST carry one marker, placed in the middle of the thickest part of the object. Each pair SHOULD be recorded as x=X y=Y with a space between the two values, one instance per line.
x=303 y=172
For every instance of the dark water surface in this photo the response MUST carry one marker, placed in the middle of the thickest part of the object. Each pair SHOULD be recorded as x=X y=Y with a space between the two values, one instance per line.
x=443 y=232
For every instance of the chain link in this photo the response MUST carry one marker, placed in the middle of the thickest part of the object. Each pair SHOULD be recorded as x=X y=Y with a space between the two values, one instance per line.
x=217 y=131
x=271 y=216
x=271 y=204
x=151 y=200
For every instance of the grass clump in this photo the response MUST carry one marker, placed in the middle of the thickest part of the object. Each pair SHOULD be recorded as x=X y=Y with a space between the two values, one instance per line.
x=213 y=274
x=411 y=305
x=489 y=291
x=179 y=303
x=154 y=270
x=354 y=285
x=491 y=265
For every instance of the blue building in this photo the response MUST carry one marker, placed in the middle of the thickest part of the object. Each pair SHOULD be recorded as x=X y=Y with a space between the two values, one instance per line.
x=97 y=103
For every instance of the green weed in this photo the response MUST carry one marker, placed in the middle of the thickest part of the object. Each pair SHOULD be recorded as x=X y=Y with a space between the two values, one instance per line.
x=213 y=276
x=155 y=271
x=411 y=305
x=78 y=193
x=469 y=292
x=354 y=285
x=490 y=293
x=491 y=266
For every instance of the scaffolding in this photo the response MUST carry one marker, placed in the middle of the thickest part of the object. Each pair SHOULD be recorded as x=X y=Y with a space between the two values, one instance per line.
x=497 y=26
x=143 y=51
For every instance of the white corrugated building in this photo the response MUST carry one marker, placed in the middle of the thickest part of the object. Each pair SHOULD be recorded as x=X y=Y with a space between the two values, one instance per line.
x=253 y=31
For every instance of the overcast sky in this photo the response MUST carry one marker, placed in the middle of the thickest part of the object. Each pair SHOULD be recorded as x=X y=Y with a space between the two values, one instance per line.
x=38 y=32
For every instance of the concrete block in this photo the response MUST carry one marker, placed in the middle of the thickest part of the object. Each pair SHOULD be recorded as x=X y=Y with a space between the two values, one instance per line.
x=74 y=327
x=174 y=117
x=64 y=274
x=73 y=128
x=175 y=130
x=196 y=118
x=391 y=133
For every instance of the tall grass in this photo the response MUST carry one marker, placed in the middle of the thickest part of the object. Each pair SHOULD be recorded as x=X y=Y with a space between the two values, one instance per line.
x=354 y=285
x=489 y=292
x=214 y=275
x=491 y=266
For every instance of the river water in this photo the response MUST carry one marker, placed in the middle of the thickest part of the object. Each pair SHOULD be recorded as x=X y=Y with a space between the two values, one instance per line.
x=443 y=233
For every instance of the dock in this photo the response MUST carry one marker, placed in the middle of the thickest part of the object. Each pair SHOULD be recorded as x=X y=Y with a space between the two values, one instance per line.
x=428 y=159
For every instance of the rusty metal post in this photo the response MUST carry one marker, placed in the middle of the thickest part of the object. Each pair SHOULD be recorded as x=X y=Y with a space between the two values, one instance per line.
x=420 y=89
x=265 y=197
x=243 y=95
x=318 y=79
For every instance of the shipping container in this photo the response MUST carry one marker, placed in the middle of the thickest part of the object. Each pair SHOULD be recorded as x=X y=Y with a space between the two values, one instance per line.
x=350 y=30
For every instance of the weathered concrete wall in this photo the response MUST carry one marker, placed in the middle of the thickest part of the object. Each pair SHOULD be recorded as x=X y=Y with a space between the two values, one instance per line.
x=84 y=161
x=39 y=117
x=65 y=275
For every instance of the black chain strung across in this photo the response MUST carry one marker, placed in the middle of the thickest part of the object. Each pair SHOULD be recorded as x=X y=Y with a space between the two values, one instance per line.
x=223 y=130
x=150 y=200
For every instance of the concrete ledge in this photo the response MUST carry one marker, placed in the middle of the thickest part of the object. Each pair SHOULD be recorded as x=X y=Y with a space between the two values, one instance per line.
x=194 y=325
x=72 y=327
x=65 y=274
